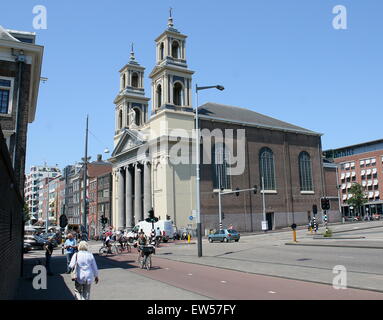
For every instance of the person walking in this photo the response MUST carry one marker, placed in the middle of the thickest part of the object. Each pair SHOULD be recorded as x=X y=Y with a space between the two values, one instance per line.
x=48 y=254
x=86 y=271
x=70 y=246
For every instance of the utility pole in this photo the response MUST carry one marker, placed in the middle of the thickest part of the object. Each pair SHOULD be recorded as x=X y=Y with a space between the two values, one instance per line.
x=84 y=215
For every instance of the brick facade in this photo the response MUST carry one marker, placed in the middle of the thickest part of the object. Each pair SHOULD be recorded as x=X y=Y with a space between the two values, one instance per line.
x=11 y=226
x=284 y=207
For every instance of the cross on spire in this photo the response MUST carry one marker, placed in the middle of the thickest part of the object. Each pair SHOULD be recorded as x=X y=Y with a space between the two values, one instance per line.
x=170 y=20
x=132 y=58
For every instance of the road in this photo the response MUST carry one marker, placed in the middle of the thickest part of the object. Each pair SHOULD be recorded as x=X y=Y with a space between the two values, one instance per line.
x=258 y=267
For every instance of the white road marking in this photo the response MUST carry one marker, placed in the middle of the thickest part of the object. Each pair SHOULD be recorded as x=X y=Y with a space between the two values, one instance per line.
x=190 y=274
x=223 y=282
x=272 y=292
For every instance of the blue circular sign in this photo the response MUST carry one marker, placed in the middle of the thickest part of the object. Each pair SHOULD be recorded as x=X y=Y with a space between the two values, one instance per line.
x=191 y=218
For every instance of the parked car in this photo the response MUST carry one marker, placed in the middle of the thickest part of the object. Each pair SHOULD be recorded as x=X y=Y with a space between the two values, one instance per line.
x=224 y=235
x=27 y=247
x=35 y=241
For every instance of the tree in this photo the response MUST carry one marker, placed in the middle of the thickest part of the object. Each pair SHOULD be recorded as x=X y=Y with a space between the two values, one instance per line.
x=27 y=217
x=358 y=196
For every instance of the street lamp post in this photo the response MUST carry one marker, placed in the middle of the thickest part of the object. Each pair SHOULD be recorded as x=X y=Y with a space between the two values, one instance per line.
x=84 y=215
x=198 y=201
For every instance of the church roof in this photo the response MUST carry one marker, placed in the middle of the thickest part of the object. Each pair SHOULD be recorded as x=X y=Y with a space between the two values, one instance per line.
x=220 y=112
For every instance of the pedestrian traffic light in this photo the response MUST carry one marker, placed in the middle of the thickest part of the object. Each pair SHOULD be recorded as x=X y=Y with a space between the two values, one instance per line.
x=237 y=193
x=255 y=189
x=315 y=209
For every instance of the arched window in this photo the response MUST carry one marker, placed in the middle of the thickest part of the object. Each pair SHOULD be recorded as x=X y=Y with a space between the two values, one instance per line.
x=135 y=80
x=159 y=96
x=137 y=119
x=162 y=51
x=175 y=50
x=220 y=157
x=120 y=119
x=267 y=169
x=305 y=172
x=178 y=94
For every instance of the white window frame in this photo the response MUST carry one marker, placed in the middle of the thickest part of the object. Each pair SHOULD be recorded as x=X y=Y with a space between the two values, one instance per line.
x=10 y=102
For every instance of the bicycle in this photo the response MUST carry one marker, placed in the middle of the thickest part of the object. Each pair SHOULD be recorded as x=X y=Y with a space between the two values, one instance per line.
x=113 y=249
x=145 y=260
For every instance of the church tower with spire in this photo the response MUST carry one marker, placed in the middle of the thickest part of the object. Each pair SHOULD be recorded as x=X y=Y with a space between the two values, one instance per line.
x=171 y=78
x=131 y=111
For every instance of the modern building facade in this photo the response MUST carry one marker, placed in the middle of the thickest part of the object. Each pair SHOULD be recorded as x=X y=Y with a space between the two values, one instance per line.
x=362 y=164
x=33 y=181
x=20 y=72
x=153 y=159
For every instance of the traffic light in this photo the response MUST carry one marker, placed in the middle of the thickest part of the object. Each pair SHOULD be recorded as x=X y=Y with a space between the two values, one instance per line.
x=223 y=216
x=237 y=193
x=315 y=209
x=63 y=221
x=255 y=189
x=152 y=218
x=325 y=204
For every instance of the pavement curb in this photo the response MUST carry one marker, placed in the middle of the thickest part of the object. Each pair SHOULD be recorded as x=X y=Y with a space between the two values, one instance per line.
x=331 y=245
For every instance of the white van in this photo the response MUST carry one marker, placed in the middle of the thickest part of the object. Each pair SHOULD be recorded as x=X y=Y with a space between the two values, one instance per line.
x=166 y=228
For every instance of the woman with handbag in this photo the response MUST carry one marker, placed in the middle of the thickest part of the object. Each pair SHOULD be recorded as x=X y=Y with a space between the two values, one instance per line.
x=84 y=271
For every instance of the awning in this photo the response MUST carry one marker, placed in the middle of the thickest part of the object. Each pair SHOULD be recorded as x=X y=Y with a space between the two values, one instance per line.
x=376 y=182
x=373 y=161
x=349 y=185
x=352 y=164
x=368 y=161
x=364 y=183
x=343 y=186
x=348 y=175
x=353 y=174
x=369 y=183
x=374 y=171
x=362 y=162
x=369 y=172
x=376 y=194
x=342 y=176
x=363 y=173
x=370 y=195
x=345 y=197
x=347 y=165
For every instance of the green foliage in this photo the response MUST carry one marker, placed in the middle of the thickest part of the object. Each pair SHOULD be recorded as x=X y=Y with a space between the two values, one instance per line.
x=27 y=217
x=327 y=233
x=357 y=200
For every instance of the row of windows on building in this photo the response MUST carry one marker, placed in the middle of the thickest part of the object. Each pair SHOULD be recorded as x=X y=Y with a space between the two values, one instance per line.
x=362 y=163
x=222 y=177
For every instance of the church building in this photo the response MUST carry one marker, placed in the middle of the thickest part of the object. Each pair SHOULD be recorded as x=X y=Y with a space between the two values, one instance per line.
x=154 y=159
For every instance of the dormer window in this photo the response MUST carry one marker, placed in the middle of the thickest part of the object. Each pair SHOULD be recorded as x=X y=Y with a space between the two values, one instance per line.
x=175 y=50
x=135 y=80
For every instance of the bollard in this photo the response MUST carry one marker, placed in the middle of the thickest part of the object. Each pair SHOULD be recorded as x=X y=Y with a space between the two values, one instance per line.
x=189 y=238
x=295 y=235
x=311 y=230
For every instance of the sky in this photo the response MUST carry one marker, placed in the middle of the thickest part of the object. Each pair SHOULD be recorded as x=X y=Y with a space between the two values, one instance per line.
x=282 y=58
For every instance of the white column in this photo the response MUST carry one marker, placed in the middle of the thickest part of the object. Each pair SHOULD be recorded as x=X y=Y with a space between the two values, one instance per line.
x=121 y=200
x=129 y=197
x=147 y=189
x=138 y=216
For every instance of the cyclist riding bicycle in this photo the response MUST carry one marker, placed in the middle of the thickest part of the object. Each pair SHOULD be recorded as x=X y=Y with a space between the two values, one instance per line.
x=141 y=242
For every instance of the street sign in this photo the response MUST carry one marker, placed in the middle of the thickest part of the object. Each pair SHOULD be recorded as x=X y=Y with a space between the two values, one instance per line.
x=191 y=218
x=265 y=226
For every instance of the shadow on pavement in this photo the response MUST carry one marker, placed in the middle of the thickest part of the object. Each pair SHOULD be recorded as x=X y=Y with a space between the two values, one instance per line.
x=57 y=289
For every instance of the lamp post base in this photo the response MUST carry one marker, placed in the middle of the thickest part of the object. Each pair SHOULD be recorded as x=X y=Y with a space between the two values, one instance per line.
x=199 y=238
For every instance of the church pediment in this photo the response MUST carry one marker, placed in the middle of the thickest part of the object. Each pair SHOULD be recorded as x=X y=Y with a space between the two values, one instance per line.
x=130 y=140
